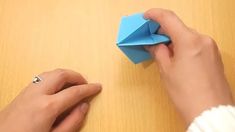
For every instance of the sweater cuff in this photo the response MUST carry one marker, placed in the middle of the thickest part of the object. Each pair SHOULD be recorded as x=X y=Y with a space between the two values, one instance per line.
x=217 y=119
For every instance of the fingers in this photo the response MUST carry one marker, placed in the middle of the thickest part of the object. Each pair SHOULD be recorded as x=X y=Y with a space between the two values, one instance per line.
x=172 y=26
x=54 y=81
x=169 y=22
x=74 y=120
x=161 y=54
x=73 y=95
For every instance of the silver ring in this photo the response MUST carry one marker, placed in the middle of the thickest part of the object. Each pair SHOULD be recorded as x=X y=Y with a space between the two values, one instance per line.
x=37 y=79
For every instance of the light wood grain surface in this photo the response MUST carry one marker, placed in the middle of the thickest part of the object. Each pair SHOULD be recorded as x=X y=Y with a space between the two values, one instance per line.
x=40 y=35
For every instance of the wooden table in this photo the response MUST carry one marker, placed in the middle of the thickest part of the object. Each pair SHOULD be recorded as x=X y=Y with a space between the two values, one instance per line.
x=40 y=35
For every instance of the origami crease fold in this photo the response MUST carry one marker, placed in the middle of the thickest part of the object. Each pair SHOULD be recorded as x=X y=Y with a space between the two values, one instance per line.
x=136 y=32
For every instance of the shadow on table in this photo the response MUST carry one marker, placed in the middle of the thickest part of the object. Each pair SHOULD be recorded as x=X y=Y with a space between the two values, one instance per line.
x=138 y=75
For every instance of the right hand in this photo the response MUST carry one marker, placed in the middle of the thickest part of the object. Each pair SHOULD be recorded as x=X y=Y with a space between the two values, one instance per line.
x=190 y=67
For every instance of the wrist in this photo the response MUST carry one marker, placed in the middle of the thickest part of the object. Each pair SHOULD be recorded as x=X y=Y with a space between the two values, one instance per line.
x=192 y=105
x=200 y=105
x=219 y=118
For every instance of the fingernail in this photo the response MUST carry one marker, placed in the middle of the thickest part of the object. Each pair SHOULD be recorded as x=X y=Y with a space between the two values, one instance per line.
x=84 y=108
x=145 y=18
x=98 y=86
x=85 y=77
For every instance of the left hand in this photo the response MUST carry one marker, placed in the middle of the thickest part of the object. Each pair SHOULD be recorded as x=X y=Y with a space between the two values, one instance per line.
x=56 y=104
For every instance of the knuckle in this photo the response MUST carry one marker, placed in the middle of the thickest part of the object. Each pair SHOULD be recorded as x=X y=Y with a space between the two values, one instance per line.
x=193 y=39
x=43 y=73
x=171 y=13
x=152 y=10
x=167 y=14
x=58 y=70
x=162 y=14
x=207 y=39
x=46 y=73
x=208 y=42
x=195 y=43
x=48 y=105
x=61 y=74
x=200 y=44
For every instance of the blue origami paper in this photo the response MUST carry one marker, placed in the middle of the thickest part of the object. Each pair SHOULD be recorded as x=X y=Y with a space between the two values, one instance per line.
x=136 y=32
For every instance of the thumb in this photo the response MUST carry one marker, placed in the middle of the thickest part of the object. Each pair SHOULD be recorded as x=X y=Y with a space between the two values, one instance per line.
x=161 y=54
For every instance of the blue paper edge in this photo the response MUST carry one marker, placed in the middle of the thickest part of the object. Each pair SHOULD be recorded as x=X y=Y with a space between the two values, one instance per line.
x=121 y=41
x=119 y=46
x=136 y=62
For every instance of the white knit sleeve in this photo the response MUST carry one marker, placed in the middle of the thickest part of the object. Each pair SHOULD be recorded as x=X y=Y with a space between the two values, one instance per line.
x=218 y=119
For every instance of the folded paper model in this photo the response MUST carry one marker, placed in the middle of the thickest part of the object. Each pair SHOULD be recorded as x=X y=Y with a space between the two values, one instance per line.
x=136 y=32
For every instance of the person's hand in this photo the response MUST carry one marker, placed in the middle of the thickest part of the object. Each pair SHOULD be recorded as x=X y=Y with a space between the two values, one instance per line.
x=190 y=67
x=58 y=103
